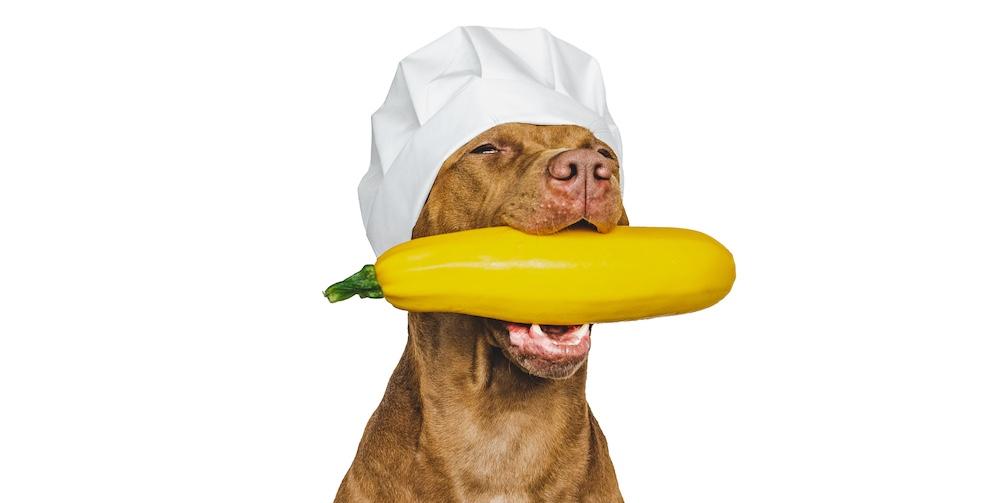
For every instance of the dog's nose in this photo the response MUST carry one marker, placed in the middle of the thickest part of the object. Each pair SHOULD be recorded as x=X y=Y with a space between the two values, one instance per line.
x=579 y=162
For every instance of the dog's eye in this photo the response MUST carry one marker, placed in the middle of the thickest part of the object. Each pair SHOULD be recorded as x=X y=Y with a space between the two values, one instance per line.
x=486 y=148
x=606 y=153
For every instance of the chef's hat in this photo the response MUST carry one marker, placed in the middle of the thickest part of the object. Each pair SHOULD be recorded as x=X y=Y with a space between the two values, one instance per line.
x=460 y=85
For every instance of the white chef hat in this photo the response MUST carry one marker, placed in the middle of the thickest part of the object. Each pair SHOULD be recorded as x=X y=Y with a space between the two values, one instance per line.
x=458 y=86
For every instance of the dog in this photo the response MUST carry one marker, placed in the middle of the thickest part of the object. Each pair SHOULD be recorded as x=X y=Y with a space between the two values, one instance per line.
x=483 y=410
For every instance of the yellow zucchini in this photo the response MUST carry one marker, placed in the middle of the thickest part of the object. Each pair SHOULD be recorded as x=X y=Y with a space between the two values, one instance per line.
x=571 y=277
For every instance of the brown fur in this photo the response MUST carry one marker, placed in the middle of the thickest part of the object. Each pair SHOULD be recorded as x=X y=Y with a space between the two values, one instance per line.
x=464 y=417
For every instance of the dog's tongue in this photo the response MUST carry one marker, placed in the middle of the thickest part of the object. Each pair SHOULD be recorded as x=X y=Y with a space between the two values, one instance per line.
x=550 y=341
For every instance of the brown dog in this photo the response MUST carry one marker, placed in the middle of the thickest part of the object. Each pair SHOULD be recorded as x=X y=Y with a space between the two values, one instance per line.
x=481 y=410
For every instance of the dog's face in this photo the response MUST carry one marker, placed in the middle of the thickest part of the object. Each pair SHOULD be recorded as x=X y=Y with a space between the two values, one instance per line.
x=540 y=180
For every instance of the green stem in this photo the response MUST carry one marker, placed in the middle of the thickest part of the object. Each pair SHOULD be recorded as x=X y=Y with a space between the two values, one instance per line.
x=362 y=283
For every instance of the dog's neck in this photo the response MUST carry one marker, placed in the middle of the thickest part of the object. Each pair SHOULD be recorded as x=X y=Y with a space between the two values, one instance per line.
x=483 y=416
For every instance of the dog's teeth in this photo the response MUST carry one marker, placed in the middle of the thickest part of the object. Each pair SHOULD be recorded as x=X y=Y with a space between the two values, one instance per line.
x=536 y=330
x=563 y=342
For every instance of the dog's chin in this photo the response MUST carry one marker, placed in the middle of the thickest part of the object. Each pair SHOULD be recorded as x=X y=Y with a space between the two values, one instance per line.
x=547 y=351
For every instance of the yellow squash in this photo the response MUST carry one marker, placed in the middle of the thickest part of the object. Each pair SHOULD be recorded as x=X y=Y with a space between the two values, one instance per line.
x=567 y=278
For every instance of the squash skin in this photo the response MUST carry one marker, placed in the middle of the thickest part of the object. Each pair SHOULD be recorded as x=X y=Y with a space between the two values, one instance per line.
x=568 y=278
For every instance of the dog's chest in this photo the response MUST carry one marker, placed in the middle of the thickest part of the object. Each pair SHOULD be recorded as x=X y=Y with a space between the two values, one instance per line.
x=510 y=445
x=509 y=457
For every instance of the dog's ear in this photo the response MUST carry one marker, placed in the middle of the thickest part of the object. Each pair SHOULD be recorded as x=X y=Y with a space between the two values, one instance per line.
x=429 y=220
x=421 y=228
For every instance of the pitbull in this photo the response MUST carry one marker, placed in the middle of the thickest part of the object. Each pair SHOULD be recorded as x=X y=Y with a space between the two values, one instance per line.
x=484 y=410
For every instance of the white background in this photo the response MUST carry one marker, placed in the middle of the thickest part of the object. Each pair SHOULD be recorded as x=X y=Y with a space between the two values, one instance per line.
x=178 y=186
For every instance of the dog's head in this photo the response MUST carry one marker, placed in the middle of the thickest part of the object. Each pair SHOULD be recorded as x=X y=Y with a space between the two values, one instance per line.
x=539 y=180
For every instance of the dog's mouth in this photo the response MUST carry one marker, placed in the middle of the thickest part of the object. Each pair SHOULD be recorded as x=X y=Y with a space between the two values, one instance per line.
x=552 y=343
x=553 y=351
